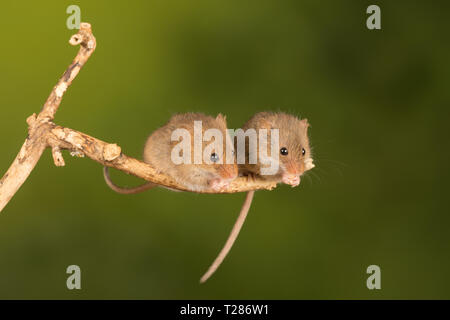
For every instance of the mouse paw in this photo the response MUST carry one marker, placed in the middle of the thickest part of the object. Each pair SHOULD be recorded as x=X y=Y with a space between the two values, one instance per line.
x=291 y=180
x=219 y=184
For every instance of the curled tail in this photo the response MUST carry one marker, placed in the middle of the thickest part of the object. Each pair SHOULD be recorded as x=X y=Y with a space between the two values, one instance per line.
x=116 y=188
x=231 y=238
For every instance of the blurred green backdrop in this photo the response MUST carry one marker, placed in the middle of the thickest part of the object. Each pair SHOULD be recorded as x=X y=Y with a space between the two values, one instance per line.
x=378 y=103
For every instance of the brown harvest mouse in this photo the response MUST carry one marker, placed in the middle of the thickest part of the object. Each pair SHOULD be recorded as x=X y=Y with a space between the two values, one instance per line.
x=293 y=159
x=294 y=155
x=210 y=171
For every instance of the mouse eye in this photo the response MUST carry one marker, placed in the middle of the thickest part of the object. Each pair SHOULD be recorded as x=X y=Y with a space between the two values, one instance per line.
x=303 y=151
x=214 y=157
x=284 y=151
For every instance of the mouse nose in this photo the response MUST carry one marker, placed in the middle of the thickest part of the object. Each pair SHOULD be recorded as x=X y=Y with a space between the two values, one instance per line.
x=229 y=171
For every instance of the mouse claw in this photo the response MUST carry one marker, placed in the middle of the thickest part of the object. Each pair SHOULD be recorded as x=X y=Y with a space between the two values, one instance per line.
x=291 y=180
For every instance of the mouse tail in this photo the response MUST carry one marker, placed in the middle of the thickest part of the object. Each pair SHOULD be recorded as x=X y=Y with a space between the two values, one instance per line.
x=118 y=189
x=231 y=238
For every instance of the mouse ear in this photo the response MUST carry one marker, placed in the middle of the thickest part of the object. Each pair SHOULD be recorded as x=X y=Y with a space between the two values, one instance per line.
x=305 y=123
x=220 y=117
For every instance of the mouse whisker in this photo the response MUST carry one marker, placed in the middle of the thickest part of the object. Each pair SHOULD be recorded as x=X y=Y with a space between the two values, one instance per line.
x=320 y=159
x=306 y=175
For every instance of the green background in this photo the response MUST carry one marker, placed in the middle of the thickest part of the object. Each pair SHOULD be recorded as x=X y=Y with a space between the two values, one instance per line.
x=377 y=101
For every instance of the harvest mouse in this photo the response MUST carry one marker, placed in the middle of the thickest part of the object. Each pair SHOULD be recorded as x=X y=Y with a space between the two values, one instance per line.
x=215 y=174
x=294 y=156
x=294 y=159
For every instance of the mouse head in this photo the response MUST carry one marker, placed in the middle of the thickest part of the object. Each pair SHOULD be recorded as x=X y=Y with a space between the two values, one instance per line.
x=294 y=151
x=217 y=163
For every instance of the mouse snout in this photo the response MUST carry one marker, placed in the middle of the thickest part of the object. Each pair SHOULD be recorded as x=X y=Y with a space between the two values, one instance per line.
x=228 y=171
x=294 y=168
x=292 y=172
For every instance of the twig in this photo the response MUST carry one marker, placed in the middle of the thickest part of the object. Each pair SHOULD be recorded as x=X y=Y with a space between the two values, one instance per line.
x=110 y=155
x=43 y=133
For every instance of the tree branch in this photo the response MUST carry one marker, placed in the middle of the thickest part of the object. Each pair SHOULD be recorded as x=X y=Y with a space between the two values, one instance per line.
x=43 y=133
x=111 y=155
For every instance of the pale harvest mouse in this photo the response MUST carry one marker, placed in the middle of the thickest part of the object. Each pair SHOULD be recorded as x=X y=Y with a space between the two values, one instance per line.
x=194 y=177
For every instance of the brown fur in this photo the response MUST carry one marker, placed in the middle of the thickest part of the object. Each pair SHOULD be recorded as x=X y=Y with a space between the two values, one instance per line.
x=293 y=135
x=195 y=177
